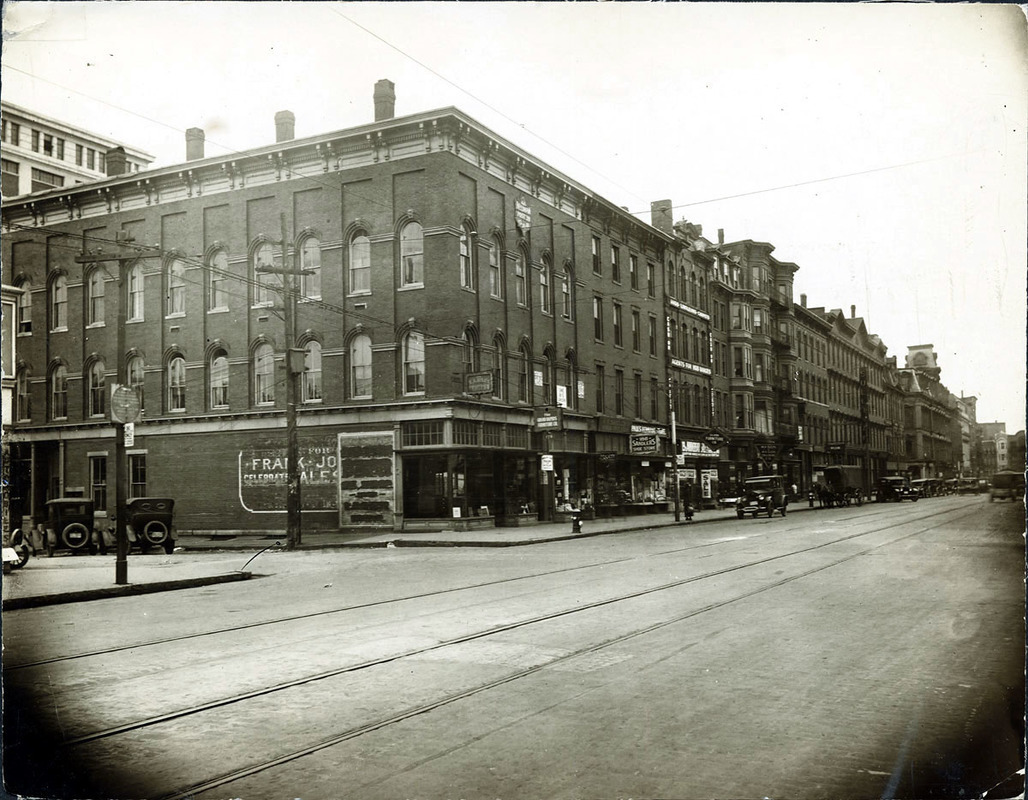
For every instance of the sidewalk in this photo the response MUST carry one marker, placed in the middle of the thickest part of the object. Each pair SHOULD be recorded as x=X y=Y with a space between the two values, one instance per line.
x=206 y=560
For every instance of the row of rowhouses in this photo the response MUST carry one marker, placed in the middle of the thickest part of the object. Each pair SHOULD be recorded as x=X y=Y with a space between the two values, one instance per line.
x=480 y=341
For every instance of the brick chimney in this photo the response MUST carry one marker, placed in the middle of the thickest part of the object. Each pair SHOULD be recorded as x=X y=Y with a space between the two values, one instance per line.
x=385 y=100
x=661 y=216
x=194 y=144
x=853 y=312
x=117 y=162
x=285 y=126
x=720 y=235
x=803 y=300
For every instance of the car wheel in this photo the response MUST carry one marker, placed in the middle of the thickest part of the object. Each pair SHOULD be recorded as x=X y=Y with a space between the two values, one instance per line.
x=76 y=536
x=23 y=556
x=155 y=532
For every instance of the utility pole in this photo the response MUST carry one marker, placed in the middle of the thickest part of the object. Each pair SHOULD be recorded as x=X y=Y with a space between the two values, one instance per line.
x=674 y=448
x=294 y=363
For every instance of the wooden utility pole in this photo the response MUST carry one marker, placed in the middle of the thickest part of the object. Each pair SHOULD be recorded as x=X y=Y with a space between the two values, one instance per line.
x=674 y=447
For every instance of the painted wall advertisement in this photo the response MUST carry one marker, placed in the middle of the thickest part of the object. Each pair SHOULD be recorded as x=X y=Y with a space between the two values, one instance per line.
x=263 y=476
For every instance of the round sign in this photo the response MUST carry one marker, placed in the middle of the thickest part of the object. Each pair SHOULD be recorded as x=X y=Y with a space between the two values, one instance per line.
x=125 y=405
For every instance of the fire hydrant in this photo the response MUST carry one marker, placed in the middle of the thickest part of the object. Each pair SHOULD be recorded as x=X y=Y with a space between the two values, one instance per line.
x=576 y=521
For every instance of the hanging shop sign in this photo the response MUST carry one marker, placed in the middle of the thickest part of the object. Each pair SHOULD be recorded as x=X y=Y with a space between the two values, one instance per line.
x=697 y=450
x=547 y=419
x=479 y=383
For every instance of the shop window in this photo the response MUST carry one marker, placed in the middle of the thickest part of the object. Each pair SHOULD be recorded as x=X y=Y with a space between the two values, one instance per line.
x=517 y=437
x=98 y=482
x=420 y=434
x=466 y=432
x=492 y=434
x=137 y=474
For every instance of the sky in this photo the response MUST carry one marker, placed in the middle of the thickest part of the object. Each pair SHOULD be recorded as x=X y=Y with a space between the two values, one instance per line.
x=880 y=147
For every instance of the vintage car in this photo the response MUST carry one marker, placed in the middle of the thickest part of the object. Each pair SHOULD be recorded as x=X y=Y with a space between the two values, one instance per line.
x=896 y=487
x=70 y=526
x=16 y=551
x=1007 y=485
x=763 y=494
x=149 y=522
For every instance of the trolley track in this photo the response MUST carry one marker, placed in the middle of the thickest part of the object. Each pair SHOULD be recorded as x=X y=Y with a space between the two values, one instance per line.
x=293 y=618
x=495 y=630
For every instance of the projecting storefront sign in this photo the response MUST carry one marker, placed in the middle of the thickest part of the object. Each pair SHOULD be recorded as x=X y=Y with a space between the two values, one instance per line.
x=698 y=449
x=480 y=383
x=548 y=420
x=643 y=443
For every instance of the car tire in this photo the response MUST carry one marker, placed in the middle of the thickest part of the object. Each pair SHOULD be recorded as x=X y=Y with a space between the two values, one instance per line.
x=156 y=533
x=76 y=536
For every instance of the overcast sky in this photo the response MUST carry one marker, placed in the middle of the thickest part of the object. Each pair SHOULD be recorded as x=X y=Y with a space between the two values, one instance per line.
x=881 y=147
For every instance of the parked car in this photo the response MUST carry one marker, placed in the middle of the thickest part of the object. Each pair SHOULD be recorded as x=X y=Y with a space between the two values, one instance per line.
x=1007 y=485
x=762 y=494
x=844 y=485
x=70 y=526
x=896 y=487
x=16 y=551
x=149 y=522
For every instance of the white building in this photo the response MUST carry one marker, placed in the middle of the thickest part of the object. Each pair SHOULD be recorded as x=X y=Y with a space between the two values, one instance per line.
x=40 y=153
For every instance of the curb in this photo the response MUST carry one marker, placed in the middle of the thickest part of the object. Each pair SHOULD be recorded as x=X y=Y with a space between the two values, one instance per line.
x=35 y=601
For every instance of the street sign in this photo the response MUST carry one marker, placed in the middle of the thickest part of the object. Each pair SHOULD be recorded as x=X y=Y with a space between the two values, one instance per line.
x=546 y=462
x=125 y=405
x=129 y=429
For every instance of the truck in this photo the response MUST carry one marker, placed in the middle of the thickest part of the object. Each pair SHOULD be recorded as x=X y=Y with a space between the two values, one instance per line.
x=845 y=485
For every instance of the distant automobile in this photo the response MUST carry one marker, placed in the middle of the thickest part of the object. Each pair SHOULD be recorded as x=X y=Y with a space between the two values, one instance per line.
x=1007 y=485
x=762 y=494
x=895 y=487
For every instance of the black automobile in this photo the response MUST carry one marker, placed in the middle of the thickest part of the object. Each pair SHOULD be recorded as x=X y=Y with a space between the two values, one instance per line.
x=149 y=522
x=896 y=487
x=763 y=494
x=70 y=526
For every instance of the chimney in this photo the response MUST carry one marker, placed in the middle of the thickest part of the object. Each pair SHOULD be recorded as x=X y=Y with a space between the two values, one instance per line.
x=803 y=300
x=285 y=126
x=720 y=235
x=117 y=162
x=194 y=144
x=385 y=100
x=660 y=216
x=853 y=312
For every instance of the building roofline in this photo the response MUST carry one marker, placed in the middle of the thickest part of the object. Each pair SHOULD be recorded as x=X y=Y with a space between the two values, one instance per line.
x=85 y=134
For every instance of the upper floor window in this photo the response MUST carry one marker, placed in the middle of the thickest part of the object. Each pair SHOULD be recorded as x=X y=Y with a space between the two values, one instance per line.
x=467 y=266
x=618 y=327
x=25 y=306
x=360 y=366
x=311 y=386
x=134 y=371
x=360 y=263
x=59 y=304
x=177 y=383
x=671 y=280
x=264 y=375
x=412 y=255
x=524 y=366
x=219 y=380
x=520 y=278
x=97 y=389
x=650 y=282
x=310 y=263
x=598 y=318
x=499 y=369
x=633 y=271
x=544 y=288
x=263 y=282
x=565 y=296
x=59 y=392
x=413 y=363
x=495 y=272
x=135 y=293
x=597 y=265
x=175 y=302
x=217 y=282
x=615 y=264
x=95 y=298
x=22 y=396
x=636 y=331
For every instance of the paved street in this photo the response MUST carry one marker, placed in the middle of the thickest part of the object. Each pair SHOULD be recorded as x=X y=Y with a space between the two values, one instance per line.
x=848 y=653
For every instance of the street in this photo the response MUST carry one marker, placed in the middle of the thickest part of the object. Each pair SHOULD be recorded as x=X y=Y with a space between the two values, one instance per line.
x=843 y=653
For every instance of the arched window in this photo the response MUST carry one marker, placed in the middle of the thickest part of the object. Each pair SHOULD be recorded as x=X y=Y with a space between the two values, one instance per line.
x=95 y=298
x=697 y=356
x=360 y=263
x=176 y=297
x=176 y=383
x=22 y=396
x=547 y=387
x=217 y=282
x=672 y=280
x=544 y=287
x=495 y=270
x=263 y=282
x=520 y=279
x=572 y=380
x=360 y=366
x=25 y=306
x=467 y=261
x=499 y=369
x=97 y=389
x=219 y=380
x=412 y=265
x=469 y=351
x=59 y=392
x=134 y=372
x=264 y=375
x=59 y=304
x=310 y=262
x=413 y=363
x=566 y=304
x=135 y=293
x=311 y=373
x=524 y=368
